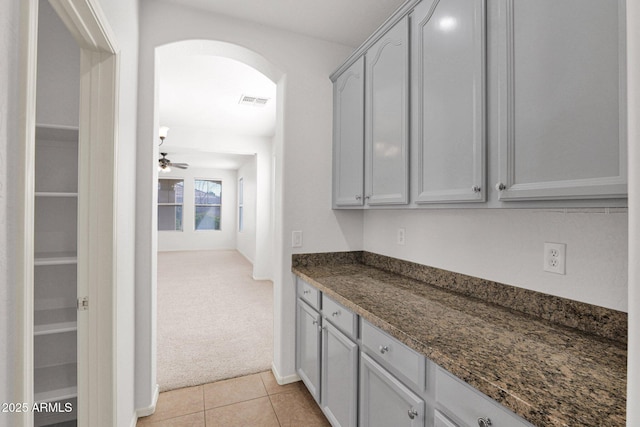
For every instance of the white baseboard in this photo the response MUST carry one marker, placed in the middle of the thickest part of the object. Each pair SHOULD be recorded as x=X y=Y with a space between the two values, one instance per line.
x=283 y=380
x=145 y=412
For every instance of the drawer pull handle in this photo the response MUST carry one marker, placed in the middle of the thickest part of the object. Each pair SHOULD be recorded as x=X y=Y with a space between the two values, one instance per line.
x=384 y=349
x=315 y=322
x=412 y=413
x=335 y=313
x=306 y=292
x=484 y=422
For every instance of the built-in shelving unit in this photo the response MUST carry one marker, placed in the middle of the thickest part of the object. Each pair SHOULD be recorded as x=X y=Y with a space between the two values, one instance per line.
x=55 y=273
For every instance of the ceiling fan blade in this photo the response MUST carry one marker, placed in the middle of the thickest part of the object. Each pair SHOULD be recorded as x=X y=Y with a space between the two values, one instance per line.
x=179 y=165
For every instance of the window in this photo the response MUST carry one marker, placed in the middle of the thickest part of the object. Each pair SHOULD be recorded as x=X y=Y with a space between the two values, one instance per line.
x=170 y=199
x=208 y=198
x=240 y=204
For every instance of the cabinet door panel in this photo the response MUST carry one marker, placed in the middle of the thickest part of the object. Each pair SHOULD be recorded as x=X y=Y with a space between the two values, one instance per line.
x=449 y=103
x=385 y=401
x=348 y=138
x=308 y=348
x=563 y=100
x=386 y=165
x=339 y=377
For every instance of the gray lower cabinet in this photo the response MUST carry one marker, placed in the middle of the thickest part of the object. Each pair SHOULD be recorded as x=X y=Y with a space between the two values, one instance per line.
x=467 y=406
x=448 y=101
x=562 y=103
x=387 y=118
x=348 y=137
x=385 y=401
x=308 y=336
x=339 y=391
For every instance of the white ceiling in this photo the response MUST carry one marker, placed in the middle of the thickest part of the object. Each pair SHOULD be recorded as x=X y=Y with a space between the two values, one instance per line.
x=204 y=91
x=347 y=22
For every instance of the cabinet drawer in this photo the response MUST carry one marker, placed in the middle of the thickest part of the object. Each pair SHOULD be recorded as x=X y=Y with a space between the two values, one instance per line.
x=467 y=404
x=340 y=316
x=394 y=355
x=308 y=293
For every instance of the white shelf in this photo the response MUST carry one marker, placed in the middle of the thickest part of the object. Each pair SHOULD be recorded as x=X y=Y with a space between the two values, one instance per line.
x=55 y=258
x=57 y=382
x=55 y=321
x=55 y=395
x=57 y=132
x=55 y=194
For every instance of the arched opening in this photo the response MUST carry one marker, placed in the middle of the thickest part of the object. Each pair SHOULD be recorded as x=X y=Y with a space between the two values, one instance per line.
x=201 y=140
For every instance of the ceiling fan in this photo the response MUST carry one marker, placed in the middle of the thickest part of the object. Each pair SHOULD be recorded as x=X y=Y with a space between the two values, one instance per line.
x=165 y=164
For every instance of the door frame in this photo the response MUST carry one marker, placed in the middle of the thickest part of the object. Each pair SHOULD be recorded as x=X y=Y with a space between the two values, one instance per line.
x=98 y=141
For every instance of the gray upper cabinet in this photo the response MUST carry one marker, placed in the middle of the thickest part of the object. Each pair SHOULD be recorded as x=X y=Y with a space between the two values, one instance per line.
x=448 y=101
x=387 y=118
x=562 y=100
x=348 y=138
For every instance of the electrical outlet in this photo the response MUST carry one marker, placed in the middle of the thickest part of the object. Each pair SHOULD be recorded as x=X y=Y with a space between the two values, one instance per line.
x=296 y=239
x=554 y=257
x=400 y=237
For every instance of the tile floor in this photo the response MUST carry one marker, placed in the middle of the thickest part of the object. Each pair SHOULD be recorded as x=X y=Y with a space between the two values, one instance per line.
x=251 y=401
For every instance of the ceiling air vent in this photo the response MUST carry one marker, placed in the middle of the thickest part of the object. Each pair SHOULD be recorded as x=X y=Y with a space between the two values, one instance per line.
x=253 y=100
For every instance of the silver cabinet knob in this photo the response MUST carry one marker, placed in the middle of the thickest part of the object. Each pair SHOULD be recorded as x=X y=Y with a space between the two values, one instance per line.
x=306 y=292
x=412 y=413
x=335 y=313
x=367 y=197
x=500 y=186
x=384 y=349
x=484 y=422
x=358 y=197
x=476 y=189
x=315 y=322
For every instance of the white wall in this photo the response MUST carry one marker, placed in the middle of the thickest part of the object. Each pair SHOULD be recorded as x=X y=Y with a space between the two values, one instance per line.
x=58 y=88
x=506 y=245
x=303 y=148
x=246 y=239
x=9 y=18
x=189 y=239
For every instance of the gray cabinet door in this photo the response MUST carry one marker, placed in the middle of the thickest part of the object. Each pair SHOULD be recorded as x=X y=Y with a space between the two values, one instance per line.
x=386 y=118
x=448 y=101
x=348 y=136
x=385 y=401
x=308 y=347
x=562 y=100
x=339 y=377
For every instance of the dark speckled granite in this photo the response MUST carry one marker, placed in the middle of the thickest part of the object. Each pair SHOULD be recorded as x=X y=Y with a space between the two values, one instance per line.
x=548 y=373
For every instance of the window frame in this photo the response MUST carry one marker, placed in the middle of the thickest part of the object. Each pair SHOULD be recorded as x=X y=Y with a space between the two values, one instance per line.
x=174 y=204
x=208 y=205
x=240 y=204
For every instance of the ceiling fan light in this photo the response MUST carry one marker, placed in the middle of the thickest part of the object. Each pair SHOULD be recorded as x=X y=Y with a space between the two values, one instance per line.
x=163 y=132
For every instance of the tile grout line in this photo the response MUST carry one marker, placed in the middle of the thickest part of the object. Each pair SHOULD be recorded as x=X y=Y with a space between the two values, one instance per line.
x=204 y=407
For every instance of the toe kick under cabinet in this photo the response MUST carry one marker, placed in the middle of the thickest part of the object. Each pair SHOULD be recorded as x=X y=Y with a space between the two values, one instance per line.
x=361 y=376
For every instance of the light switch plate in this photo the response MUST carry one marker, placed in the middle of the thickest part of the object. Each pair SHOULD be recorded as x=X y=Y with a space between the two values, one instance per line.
x=296 y=239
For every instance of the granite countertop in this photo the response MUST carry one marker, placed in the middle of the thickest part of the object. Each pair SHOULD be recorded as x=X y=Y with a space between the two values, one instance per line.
x=549 y=374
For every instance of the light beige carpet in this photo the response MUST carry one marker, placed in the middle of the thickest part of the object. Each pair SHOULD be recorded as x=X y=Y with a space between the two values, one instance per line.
x=214 y=320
